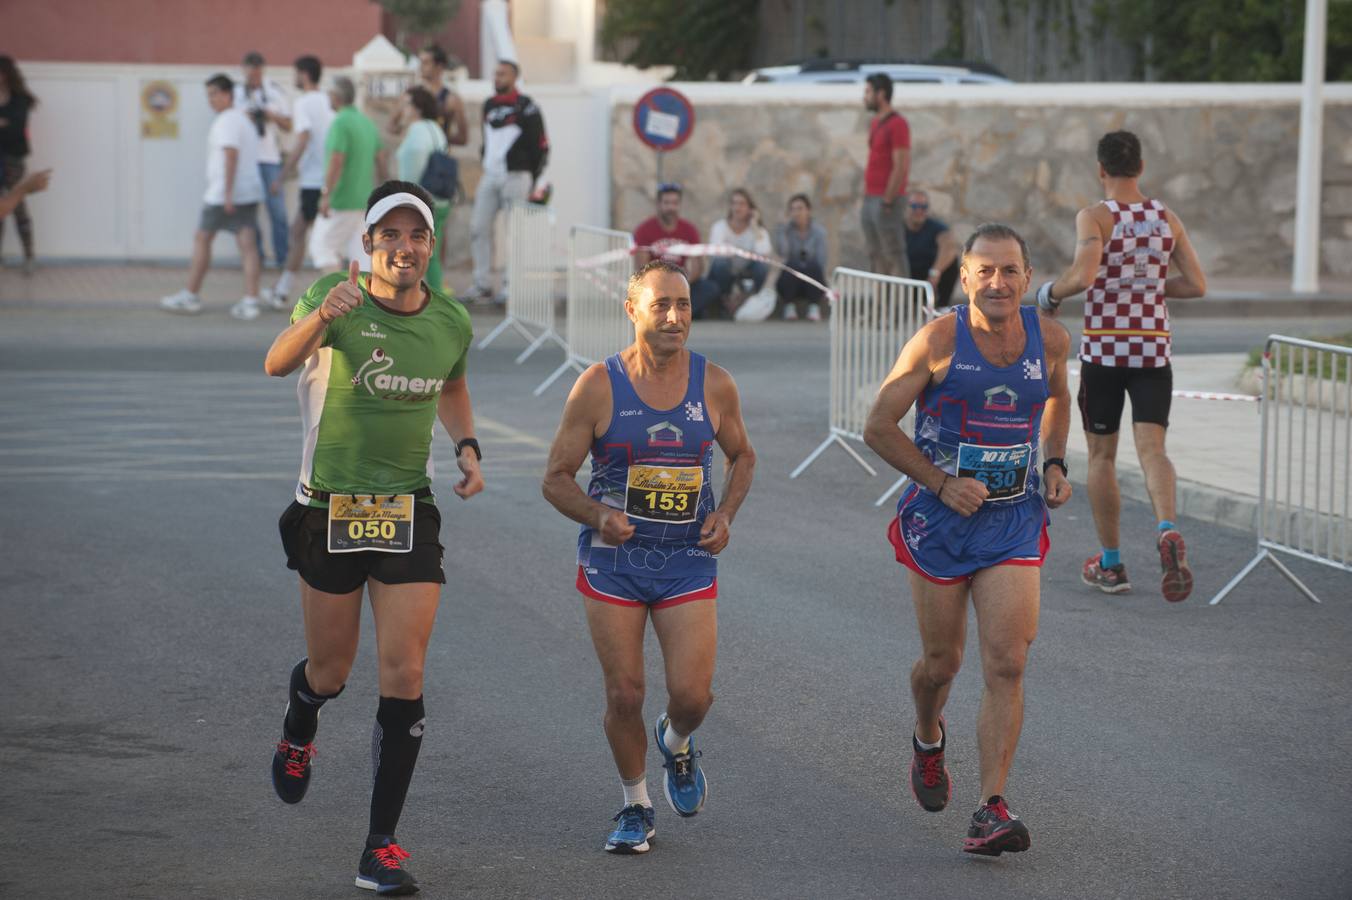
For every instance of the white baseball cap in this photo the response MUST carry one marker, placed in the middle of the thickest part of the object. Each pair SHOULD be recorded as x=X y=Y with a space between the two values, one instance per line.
x=394 y=201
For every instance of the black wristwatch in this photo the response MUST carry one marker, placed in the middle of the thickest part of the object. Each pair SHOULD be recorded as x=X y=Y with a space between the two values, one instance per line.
x=1056 y=461
x=472 y=444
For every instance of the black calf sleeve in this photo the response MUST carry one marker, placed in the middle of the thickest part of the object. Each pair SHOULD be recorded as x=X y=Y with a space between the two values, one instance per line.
x=302 y=711
x=395 y=742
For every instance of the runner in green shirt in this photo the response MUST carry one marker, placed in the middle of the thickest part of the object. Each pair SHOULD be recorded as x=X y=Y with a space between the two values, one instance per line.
x=384 y=357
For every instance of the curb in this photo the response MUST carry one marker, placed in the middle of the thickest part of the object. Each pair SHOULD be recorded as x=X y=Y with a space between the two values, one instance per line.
x=1195 y=500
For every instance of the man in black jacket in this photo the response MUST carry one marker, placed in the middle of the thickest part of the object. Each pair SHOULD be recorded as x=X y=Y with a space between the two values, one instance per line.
x=515 y=149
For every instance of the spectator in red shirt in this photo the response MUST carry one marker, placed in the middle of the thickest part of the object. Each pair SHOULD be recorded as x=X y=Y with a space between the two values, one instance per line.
x=655 y=234
x=889 y=164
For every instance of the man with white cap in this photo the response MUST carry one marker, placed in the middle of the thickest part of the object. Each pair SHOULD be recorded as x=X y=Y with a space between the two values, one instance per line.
x=384 y=356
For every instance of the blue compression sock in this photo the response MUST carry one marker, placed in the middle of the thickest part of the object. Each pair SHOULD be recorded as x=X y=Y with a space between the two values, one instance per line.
x=1111 y=558
x=1166 y=525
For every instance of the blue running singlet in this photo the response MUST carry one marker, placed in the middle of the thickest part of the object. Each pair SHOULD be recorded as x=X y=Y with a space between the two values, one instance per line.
x=656 y=465
x=984 y=422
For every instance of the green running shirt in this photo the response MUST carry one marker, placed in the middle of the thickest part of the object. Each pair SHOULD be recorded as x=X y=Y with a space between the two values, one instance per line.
x=368 y=396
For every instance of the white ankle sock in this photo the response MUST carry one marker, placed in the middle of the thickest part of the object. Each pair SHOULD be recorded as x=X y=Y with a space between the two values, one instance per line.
x=675 y=741
x=636 y=791
x=924 y=746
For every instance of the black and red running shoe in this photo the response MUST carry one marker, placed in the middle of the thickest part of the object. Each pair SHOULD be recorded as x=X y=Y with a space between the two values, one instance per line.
x=1176 y=583
x=930 y=783
x=382 y=870
x=291 y=769
x=995 y=829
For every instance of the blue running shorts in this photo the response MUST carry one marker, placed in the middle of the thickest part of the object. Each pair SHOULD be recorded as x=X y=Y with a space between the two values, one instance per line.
x=635 y=590
x=947 y=548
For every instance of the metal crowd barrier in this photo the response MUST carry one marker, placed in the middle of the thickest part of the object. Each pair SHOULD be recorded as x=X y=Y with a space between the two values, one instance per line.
x=600 y=261
x=530 y=278
x=1305 y=465
x=871 y=318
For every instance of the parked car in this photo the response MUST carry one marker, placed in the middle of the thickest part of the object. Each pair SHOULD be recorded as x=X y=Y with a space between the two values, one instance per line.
x=854 y=71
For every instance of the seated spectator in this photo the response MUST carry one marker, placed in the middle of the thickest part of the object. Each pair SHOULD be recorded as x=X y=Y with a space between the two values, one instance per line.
x=734 y=278
x=931 y=248
x=654 y=235
x=801 y=243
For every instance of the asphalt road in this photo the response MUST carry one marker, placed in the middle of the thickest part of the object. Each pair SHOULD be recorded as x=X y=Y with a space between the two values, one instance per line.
x=150 y=623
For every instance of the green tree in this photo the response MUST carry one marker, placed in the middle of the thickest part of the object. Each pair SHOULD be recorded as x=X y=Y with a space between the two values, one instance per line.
x=701 y=38
x=421 y=17
x=1226 y=40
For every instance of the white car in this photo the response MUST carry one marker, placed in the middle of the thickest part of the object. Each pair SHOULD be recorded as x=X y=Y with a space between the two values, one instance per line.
x=853 y=71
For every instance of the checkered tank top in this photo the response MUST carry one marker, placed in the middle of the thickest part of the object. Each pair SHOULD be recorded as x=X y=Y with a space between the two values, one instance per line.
x=1126 y=323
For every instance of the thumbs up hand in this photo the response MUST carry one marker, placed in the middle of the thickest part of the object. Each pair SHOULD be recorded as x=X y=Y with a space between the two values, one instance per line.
x=343 y=297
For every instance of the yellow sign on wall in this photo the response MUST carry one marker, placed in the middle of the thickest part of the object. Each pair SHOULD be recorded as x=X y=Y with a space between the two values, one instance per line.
x=159 y=110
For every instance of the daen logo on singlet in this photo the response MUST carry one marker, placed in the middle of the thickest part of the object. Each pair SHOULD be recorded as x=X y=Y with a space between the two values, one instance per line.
x=374 y=376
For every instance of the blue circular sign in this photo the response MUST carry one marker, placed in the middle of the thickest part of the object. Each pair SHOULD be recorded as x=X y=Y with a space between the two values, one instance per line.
x=664 y=119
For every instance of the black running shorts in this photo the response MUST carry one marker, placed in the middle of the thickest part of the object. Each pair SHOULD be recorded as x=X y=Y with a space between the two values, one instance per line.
x=309 y=203
x=305 y=538
x=1104 y=389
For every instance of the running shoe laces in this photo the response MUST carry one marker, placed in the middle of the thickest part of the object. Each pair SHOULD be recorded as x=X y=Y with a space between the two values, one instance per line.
x=391 y=856
x=631 y=818
x=297 y=757
x=931 y=768
x=681 y=764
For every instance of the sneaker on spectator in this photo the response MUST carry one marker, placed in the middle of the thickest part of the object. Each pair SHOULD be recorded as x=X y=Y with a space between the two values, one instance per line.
x=185 y=302
x=814 y=312
x=790 y=312
x=273 y=300
x=246 y=309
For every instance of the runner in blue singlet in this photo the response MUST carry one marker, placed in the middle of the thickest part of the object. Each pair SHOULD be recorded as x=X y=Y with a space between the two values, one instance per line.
x=984 y=381
x=652 y=532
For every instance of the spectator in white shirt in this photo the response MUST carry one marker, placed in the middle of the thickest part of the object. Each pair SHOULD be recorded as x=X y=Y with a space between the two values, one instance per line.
x=734 y=277
x=234 y=190
x=264 y=102
x=310 y=123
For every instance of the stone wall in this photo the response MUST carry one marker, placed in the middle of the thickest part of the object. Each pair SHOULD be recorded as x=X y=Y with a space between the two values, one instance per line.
x=1225 y=162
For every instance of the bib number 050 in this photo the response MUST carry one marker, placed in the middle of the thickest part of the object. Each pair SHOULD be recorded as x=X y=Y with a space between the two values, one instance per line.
x=371 y=522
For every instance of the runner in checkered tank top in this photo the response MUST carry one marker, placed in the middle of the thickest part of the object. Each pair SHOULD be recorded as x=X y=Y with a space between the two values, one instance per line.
x=1131 y=253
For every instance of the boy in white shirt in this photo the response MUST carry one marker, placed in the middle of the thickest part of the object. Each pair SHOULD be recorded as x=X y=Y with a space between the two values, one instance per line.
x=234 y=190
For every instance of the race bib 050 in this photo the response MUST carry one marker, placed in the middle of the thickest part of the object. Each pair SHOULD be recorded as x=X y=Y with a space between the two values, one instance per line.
x=367 y=522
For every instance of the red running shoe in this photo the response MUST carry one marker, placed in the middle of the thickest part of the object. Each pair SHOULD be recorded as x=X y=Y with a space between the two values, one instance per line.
x=930 y=784
x=995 y=829
x=1176 y=584
x=1110 y=580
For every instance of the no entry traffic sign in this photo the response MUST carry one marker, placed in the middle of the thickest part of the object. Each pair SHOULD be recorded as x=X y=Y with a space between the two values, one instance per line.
x=664 y=119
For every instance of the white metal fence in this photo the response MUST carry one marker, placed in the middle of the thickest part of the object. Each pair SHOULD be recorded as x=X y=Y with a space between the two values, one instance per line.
x=871 y=318
x=1305 y=463
x=530 y=278
x=599 y=265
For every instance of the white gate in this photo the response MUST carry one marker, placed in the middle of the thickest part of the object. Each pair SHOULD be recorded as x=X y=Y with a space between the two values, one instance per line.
x=1305 y=464
x=530 y=278
x=872 y=316
x=600 y=261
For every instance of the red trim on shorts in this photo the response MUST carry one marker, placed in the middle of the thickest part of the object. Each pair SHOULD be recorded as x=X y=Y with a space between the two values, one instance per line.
x=903 y=552
x=585 y=588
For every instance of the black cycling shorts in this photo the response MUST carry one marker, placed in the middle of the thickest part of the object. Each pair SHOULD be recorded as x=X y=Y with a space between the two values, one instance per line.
x=305 y=538
x=1104 y=389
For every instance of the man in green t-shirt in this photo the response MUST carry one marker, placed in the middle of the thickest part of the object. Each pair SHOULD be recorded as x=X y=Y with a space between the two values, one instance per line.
x=384 y=357
x=354 y=162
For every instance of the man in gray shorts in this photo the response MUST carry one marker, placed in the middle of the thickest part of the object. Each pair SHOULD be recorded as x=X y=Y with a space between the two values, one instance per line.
x=889 y=162
x=234 y=190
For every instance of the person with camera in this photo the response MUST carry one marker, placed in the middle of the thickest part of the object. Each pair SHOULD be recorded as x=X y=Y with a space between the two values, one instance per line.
x=265 y=103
